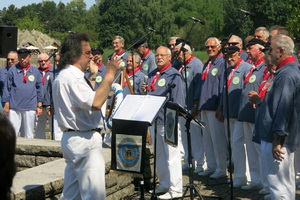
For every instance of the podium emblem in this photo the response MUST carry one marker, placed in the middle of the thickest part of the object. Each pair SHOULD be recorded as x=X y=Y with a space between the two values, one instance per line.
x=128 y=152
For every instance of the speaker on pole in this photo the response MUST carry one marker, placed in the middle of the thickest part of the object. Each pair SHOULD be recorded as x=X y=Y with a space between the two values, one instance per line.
x=8 y=40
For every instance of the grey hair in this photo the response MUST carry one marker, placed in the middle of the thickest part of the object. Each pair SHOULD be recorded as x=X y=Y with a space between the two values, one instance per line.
x=238 y=39
x=122 y=40
x=259 y=46
x=214 y=38
x=173 y=38
x=137 y=57
x=284 y=42
x=265 y=30
x=186 y=46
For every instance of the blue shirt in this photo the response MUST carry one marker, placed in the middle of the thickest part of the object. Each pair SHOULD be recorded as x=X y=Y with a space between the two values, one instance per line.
x=177 y=64
x=194 y=71
x=168 y=77
x=148 y=63
x=210 y=89
x=123 y=56
x=99 y=77
x=23 y=96
x=246 y=110
x=138 y=80
x=280 y=111
x=235 y=89
x=46 y=86
x=3 y=75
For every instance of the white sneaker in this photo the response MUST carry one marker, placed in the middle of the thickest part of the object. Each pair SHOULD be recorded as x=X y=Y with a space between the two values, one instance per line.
x=218 y=174
x=252 y=186
x=237 y=183
x=170 y=195
x=267 y=197
x=198 y=169
x=159 y=190
x=264 y=191
x=207 y=172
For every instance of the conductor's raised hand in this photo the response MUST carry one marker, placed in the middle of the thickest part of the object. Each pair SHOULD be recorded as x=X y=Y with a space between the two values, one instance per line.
x=113 y=65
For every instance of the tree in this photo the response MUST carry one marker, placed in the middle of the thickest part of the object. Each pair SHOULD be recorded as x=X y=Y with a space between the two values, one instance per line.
x=294 y=19
x=27 y=23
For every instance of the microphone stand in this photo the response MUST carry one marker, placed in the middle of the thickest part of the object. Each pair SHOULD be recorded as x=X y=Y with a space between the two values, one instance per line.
x=227 y=108
x=190 y=186
x=53 y=54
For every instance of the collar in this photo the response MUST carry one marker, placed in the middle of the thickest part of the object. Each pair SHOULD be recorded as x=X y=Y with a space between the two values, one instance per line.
x=285 y=61
x=76 y=71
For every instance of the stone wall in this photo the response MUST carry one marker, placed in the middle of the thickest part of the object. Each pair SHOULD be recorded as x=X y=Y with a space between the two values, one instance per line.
x=44 y=170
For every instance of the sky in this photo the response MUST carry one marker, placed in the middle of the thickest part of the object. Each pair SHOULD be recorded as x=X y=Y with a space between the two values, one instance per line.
x=20 y=3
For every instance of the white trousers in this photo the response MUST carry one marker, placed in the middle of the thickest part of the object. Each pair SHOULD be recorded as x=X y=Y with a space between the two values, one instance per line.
x=57 y=131
x=254 y=156
x=84 y=177
x=281 y=174
x=23 y=121
x=168 y=160
x=239 y=157
x=41 y=121
x=196 y=142
x=214 y=142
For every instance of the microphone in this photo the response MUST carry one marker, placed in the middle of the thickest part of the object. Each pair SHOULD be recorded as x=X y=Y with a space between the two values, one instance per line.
x=198 y=20
x=146 y=81
x=152 y=30
x=71 y=32
x=246 y=12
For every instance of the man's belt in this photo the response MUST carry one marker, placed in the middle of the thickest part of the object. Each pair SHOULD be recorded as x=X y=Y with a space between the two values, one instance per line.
x=94 y=129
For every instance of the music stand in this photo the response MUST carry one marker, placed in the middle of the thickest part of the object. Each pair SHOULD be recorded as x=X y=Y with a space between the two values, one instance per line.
x=130 y=129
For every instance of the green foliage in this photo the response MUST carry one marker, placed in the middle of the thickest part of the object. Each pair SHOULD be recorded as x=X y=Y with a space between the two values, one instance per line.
x=29 y=24
x=132 y=18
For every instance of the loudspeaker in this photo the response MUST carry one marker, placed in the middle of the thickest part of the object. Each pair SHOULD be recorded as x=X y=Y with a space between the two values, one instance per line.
x=8 y=40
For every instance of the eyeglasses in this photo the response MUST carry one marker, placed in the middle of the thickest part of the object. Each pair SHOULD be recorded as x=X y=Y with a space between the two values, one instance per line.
x=161 y=55
x=212 y=47
x=171 y=45
x=257 y=36
x=233 y=43
x=12 y=59
x=43 y=61
x=87 y=53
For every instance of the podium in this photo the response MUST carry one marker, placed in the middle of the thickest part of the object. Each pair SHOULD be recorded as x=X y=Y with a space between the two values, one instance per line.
x=130 y=124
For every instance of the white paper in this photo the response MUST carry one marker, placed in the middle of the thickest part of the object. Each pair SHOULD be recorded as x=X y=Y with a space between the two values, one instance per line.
x=139 y=108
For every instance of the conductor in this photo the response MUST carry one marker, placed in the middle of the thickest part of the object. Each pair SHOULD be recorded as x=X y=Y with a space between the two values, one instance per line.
x=77 y=108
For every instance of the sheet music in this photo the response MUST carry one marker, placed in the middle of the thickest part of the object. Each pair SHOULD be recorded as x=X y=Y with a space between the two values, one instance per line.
x=139 y=108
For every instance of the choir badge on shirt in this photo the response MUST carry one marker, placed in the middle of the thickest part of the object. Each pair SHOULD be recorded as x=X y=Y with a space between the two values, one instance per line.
x=252 y=78
x=214 y=71
x=145 y=67
x=236 y=80
x=48 y=77
x=31 y=78
x=131 y=82
x=161 y=82
x=98 y=79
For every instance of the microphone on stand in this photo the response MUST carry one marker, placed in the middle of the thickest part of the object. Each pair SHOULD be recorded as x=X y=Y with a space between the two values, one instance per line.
x=246 y=12
x=198 y=20
x=170 y=87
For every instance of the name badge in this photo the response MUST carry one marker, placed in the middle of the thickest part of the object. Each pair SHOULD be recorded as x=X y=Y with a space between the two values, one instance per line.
x=161 y=82
x=236 y=80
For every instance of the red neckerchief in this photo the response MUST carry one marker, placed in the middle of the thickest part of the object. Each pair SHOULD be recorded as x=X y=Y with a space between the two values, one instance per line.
x=257 y=63
x=264 y=87
x=287 y=60
x=44 y=71
x=186 y=63
x=263 y=83
x=120 y=52
x=144 y=56
x=230 y=77
x=159 y=71
x=206 y=70
x=100 y=65
x=25 y=69
x=129 y=75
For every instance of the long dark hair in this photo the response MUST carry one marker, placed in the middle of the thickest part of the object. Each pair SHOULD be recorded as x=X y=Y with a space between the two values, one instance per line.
x=71 y=49
x=7 y=157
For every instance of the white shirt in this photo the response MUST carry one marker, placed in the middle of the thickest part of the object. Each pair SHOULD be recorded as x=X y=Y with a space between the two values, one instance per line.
x=73 y=99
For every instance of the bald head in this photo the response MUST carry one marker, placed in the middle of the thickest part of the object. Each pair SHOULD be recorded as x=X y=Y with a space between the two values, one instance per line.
x=162 y=56
x=43 y=60
x=12 y=58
